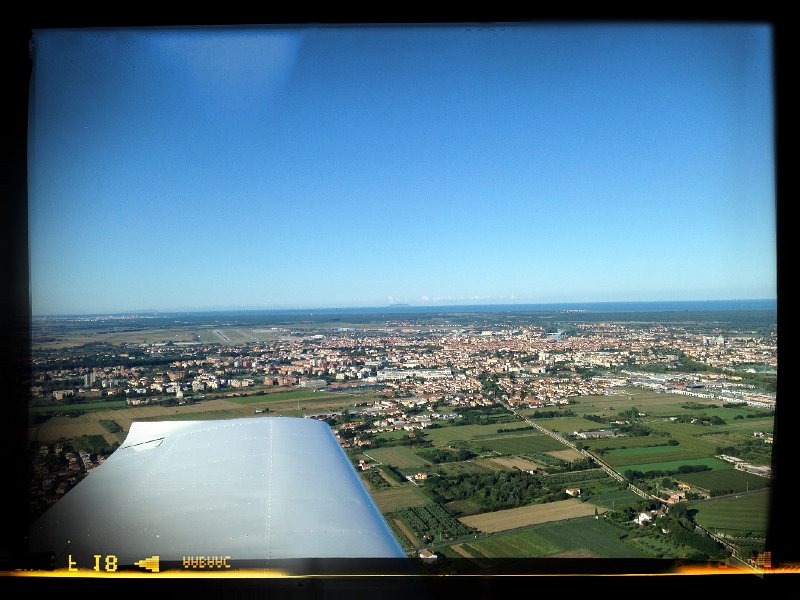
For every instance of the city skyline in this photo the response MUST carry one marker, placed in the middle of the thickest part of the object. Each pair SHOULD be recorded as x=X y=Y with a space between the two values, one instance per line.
x=315 y=167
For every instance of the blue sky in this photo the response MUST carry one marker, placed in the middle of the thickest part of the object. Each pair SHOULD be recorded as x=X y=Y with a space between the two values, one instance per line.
x=311 y=167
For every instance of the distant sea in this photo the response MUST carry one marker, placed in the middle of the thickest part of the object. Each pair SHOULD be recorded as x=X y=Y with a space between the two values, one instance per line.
x=604 y=307
x=589 y=307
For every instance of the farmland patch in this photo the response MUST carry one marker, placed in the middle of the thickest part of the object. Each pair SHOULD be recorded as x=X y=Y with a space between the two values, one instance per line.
x=512 y=518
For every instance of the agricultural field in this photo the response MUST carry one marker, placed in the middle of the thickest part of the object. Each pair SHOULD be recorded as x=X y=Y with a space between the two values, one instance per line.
x=78 y=406
x=567 y=425
x=623 y=457
x=139 y=336
x=682 y=431
x=691 y=438
x=65 y=428
x=467 y=467
x=200 y=416
x=616 y=499
x=748 y=512
x=429 y=523
x=748 y=426
x=500 y=463
x=568 y=455
x=513 y=518
x=521 y=444
x=585 y=537
x=712 y=463
x=110 y=426
x=462 y=507
x=400 y=497
x=726 y=438
x=397 y=456
x=649 y=402
x=294 y=396
x=452 y=433
x=92 y=443
x=392 y=436
x=728 y=414
x=725 y=481
x=623 y=441
x=403 y=533
x=90 y=423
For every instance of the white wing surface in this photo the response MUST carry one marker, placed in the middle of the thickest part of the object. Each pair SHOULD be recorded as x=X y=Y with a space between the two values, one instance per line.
x=248 y=489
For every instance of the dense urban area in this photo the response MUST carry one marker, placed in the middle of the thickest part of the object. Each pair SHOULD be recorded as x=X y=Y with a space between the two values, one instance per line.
x=565 y=434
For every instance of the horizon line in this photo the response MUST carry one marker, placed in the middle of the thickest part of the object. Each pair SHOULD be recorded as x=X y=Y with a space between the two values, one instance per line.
x=152 y=311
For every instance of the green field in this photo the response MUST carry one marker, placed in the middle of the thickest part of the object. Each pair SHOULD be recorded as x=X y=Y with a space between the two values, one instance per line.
x=635 y=456
x=569 y=424
x=396 y=498
x=111 y=426
x=433 y=521
x=92 y=443
x=657 y=405
x=467 y=467
x=692 y=438
x=624 y=441
x=298 y=396
x=397 y=456
x=84 y=406
x=208 y=415
x=651 y=403
x=723 y=480
x=748 y=426
x=391 y=436
x=616 y=500
x=658 y=451
x=452 y=433
x=522 y=444
x=585 y=537
x=462 y=508
x=673 y=465
x=748 y=512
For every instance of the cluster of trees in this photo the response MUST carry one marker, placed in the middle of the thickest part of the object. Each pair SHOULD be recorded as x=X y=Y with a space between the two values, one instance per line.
x=752 y=449
x=682 y=531
x=514 y=430
x=493 y=491
x=373 y=476
x=596 y=418
x=679 y=524
x=443 y=455
x=552 y=414
x=483 y=415
x=632 y=414
x=634 y=429
x=746 y=445
x=703 y=419
x=432 y=523
x=111 y=426
x=696 y=405
x=393 y=473
x=571 y=478
x=601 y=451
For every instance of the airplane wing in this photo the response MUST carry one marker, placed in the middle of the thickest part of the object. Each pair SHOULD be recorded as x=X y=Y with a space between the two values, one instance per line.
x=248 y=489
